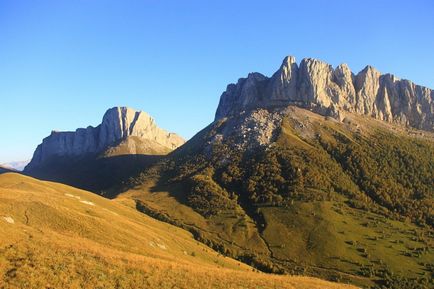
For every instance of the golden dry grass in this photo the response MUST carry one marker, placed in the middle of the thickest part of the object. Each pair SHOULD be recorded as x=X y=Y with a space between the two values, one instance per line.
x=56 y=236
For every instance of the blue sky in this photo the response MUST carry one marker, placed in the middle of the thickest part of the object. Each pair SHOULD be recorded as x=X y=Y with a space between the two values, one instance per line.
x=63 y=63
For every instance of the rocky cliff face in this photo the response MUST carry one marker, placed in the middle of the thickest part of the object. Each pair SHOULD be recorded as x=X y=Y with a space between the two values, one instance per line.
x=118 y=124
x=329 y=91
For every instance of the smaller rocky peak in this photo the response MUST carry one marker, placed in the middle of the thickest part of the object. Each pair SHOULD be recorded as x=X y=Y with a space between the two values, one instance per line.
x=367 y=77
x=289 y=63
x=370 y=68
x=118 y=124
x=283 y=84
x=121 y=122
x=369 y=71
x=343 y=71
x=345 y=96
x=245 y=93
x=343 y=75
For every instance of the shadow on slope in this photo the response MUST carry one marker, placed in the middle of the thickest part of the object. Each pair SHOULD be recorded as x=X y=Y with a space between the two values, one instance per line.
x=102 y=175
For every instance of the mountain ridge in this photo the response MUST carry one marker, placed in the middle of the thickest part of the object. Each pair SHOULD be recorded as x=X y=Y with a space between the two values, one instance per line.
x=335 y=92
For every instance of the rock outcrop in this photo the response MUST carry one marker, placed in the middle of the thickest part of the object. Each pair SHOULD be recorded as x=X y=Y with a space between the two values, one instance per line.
x=118 y=124
x=329 y=91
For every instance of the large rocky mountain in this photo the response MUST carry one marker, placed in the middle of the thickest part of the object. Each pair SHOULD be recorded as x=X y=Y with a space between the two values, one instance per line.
x=318 y=86
x=313 y=171
x=118 y=125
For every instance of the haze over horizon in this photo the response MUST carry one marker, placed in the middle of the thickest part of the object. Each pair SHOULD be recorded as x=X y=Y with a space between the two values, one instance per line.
x=62 y=65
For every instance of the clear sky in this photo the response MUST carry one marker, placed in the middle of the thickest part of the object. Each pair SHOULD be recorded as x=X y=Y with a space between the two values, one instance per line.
x=63 y=63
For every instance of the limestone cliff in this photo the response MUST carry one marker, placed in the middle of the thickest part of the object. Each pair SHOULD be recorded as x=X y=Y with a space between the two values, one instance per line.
x=118 y=125
x=329 y=91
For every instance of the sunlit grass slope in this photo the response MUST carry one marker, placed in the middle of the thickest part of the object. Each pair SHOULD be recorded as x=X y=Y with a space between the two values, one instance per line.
x=56 y=236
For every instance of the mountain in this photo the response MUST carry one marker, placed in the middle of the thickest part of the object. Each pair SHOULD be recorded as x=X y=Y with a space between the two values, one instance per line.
x=118 y=125
x=18 y=165
x=313 y=171
x=319 y=87
x=305 y=173
x=98 y=158
x=56 y=236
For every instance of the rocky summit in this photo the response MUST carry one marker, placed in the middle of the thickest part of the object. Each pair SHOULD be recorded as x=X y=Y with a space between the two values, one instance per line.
x=335 y=92
x=118 y=125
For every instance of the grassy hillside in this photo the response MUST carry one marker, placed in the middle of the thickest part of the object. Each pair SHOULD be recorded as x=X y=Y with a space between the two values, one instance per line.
x=347 y=201
x=56 y=236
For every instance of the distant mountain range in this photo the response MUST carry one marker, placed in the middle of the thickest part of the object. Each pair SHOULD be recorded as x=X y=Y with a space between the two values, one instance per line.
x=18 y=165
x=5 y=170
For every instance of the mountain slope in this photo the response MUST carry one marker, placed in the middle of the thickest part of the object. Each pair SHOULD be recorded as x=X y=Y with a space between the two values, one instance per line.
x=313 y=171
x=57 y=236
x=288 y=190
